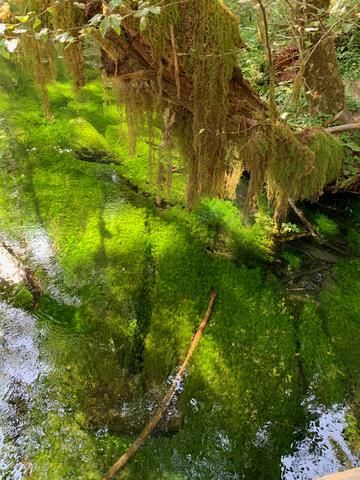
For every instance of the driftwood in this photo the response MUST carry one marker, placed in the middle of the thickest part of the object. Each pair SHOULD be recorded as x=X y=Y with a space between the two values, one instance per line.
x=155 y=419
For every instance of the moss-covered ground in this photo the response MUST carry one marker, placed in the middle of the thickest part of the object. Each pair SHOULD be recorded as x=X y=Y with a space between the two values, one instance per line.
x=135 y=281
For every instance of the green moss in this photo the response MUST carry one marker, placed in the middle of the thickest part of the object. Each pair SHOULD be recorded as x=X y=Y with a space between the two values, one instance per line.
x=352 y=432
x=296 y=167
x=353 y=239
x=17 y=295
x=293 y=261
x=84 y=136
x=138 y=279
x=326 y=226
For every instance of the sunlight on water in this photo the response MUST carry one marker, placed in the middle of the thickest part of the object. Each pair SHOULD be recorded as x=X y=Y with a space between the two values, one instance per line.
x=41 y=253
x=19 y=370
x=324 y=449
x=10 y=270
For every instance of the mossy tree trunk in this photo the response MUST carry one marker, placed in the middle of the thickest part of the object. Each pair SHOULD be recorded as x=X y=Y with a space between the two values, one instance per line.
x=180 y=72
x=322 y=81
x=205 y=89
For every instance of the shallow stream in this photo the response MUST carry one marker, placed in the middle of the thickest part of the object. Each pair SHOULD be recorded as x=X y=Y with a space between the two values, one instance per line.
x=100 y=295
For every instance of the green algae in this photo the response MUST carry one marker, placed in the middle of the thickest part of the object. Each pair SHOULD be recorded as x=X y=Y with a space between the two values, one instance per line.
x=141 y=278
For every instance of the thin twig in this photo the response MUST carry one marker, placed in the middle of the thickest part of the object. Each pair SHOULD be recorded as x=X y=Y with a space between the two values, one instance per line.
x=272 y=85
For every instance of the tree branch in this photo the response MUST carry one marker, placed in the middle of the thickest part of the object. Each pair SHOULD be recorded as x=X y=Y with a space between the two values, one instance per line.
x=155 y=419
x=343 y=128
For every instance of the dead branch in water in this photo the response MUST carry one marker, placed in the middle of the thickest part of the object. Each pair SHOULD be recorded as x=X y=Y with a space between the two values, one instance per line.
x=155 y=419
x=304 y=220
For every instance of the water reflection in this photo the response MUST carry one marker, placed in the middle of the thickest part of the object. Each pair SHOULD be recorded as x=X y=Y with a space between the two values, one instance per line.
x=19 y=369
x=324 y=449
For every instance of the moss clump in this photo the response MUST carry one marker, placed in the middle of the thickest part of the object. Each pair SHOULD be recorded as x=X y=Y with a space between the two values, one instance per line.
x=38 y=59
x=329 y=158
x=292 y=166
x=326 y=226
x=352 y=430
x=86 y=139
x=209 y=35
x=293 y=261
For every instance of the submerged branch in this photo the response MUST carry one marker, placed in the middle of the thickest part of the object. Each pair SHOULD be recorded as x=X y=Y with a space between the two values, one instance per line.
x=153 y=422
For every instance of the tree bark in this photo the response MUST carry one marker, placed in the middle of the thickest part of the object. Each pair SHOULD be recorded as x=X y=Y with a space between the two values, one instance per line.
x=322 y=81
x=129 y=56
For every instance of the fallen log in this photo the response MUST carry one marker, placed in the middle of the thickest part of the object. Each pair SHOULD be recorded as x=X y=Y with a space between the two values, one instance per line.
x=155 y=419
x=343 y=128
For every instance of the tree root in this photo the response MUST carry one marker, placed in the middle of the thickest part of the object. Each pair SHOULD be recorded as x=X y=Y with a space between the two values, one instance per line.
x=155 y=419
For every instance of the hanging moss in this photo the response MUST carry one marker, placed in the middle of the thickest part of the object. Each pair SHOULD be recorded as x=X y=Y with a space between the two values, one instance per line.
x=69 y=18
x=197 y=43
x=207 y=41
x=292 y=166
x=38 y=58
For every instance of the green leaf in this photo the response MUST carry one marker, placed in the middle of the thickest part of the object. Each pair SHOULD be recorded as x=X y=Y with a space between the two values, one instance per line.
x=22 y=18
x=142 y=12
x=114 y=4
x=115 y=22
x=22 y=29
x=42 y=35
x=347 y=27
x=352 y=145
x=96 y=19
x=37 y=23
x=64 y=37
x=85 y=31
x=104 y=26
x=155 y=10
